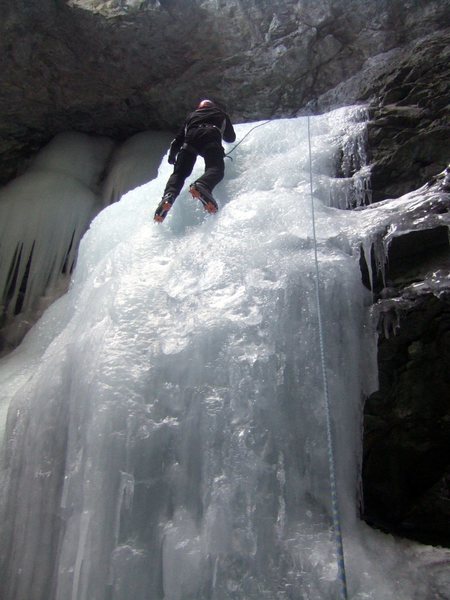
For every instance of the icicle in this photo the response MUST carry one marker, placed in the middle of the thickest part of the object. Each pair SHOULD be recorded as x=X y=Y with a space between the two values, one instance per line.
x=367 y=251
x=134 y=163
x=361 y=186
x=124 y=500
x=43 y=215
x=344 y=151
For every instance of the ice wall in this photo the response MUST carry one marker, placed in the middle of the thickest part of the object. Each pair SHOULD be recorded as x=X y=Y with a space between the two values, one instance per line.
x=169 y=441
x=45 y=212
x=134 y=163
x=43 y=215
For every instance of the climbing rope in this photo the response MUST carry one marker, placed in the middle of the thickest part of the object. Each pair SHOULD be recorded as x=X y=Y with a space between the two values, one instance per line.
x=339 y=548
x=331 y=461
x=248 y=133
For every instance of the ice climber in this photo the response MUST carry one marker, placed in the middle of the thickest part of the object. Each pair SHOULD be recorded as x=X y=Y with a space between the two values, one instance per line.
x=201 y=134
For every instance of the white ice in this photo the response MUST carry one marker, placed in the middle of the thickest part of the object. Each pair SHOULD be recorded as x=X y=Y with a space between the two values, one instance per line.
x=43 y=215
x=168 y=440
x=45 y=212
x=134 y=163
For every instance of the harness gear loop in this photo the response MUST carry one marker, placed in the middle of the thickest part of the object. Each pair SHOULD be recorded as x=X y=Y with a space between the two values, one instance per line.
x=190 y=148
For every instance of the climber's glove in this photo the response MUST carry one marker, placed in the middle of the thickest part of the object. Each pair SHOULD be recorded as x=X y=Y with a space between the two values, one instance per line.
x=173 y=152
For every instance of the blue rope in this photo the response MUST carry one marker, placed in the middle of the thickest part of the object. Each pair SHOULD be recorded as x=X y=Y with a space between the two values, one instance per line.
x=339 y=548
x=331 y=461
x=227 y=155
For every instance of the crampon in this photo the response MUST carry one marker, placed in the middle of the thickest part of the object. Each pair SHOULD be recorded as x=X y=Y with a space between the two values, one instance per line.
x=199 y=192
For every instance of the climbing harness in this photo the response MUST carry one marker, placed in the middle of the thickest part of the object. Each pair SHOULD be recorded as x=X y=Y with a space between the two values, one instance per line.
x=331 y=461
x=227 y=155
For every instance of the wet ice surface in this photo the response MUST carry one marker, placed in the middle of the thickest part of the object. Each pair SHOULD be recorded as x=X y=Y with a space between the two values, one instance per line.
x=173 y=417
x=43 y=214
x=45 y=211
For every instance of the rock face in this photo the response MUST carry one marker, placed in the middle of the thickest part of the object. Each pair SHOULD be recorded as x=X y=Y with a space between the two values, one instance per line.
x=122 y=66
x=119 y=67
x=408 y=90
x=407 y=426
x=406 y=469
x=410 y=132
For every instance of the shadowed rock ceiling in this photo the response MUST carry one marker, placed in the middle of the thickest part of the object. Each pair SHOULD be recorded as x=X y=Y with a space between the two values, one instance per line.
x=123 y=66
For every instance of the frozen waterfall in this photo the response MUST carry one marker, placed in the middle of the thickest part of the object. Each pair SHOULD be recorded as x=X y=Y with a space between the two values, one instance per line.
x=166 y=437
x=54 y=200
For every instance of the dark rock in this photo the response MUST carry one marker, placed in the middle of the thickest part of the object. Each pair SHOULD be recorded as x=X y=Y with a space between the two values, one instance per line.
x=406 y=458
x=407 y=426
x=119 y=67
x=410 y=251
x=410 y=130
x=408 y=92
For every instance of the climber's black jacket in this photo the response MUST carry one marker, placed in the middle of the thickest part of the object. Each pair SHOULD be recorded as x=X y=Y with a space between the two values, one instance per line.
x=201 y=134
x=202 y=118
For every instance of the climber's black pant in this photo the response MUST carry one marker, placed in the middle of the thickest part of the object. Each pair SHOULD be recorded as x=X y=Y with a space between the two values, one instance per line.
x=206 y=142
